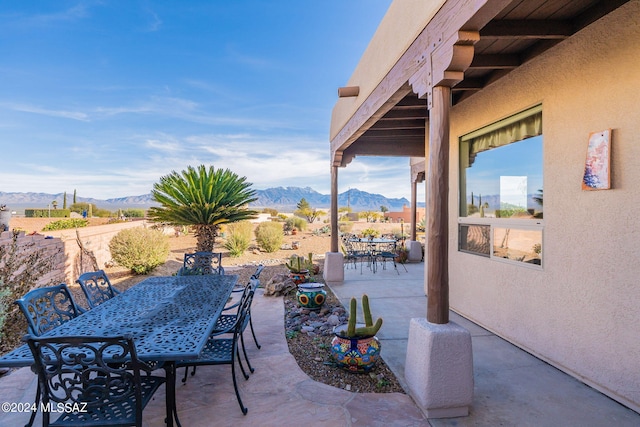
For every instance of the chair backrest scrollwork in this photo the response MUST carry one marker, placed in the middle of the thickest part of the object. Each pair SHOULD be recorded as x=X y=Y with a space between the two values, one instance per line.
x=47 y=308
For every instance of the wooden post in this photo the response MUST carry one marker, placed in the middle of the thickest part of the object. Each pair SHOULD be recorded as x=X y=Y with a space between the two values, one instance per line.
x=414 y=209
x=438 y=207
x=334 y=209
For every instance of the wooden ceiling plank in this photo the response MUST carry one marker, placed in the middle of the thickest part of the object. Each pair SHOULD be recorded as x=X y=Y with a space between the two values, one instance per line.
x=523 y=28
x=495 y=61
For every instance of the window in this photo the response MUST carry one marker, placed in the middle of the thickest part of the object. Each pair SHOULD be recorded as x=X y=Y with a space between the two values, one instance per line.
x=501 y=191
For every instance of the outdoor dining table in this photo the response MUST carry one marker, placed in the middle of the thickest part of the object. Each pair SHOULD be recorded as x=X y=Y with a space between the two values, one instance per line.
x=169 y=318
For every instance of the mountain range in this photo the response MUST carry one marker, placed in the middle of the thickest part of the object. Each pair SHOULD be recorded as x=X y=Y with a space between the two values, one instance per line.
x=280 y=198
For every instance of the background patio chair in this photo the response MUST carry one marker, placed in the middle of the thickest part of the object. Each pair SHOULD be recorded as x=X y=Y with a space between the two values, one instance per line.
x=201 y=262
x=389 y=252
x=72 y=371
x=224 y=351
x=355 y=250
x=47 y=308
x=96 y=287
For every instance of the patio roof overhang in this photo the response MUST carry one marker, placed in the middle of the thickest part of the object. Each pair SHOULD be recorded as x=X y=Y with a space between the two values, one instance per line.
x=466 y=45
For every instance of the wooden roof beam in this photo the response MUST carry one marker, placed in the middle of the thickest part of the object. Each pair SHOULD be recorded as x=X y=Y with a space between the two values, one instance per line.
x=397 y=124
x=406 y=114
x=495 y=62
x=527 y=29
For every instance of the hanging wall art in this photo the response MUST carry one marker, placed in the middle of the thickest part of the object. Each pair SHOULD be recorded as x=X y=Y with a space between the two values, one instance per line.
x=597 y=168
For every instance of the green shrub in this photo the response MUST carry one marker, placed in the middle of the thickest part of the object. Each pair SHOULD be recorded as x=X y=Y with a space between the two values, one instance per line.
x=238 y=237
x=64 y=224
x=345 y=227
x=47 y=213
x=295 y=222
x=133 y=213
x=139 y=249
x=370 y=232
x=269 y=236
x=270 y=211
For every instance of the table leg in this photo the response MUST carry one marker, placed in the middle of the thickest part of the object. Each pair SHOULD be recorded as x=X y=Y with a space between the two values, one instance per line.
x=172 y=410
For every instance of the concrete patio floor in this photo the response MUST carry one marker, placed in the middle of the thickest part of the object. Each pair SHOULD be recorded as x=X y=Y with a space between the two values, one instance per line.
x=512 y=388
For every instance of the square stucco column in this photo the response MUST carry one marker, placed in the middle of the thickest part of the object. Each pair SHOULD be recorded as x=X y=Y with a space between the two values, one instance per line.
x=439 y=368
x=333 y=267
x=415 y=251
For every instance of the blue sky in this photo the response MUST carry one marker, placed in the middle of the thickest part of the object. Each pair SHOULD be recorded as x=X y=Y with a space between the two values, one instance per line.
x=105 y=97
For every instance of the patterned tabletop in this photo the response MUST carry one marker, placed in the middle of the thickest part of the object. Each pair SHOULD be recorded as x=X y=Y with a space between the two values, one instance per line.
x=169 y=318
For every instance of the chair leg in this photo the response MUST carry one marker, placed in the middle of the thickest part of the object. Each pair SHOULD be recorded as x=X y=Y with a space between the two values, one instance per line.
x=235 y=383
x=186 y=373
x=254 y=333
x=244 y=351
x=33 y=413
x=244 y=373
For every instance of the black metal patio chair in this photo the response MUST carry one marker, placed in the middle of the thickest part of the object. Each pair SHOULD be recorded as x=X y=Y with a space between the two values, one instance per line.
x=355 y=250
x=389 y=252
x=201 y=262
x=96 y=287
x=47 y=308
x=97 y=380
x=225 y=351
x=226 y=322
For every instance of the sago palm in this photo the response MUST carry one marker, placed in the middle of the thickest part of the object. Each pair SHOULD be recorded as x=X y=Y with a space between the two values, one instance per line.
x=202 y=198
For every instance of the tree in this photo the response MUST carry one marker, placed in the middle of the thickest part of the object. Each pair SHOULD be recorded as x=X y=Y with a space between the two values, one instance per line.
x=74 y=197
x=370 y=216
x=202 y=198
x=306 y=211
x=64 y=201
x=384 y=209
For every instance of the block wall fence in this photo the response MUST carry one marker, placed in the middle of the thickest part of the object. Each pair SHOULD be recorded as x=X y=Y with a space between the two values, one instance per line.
x=70 y=260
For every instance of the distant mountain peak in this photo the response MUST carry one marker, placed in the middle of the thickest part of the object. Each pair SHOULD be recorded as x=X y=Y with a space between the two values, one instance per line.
x=280 y=198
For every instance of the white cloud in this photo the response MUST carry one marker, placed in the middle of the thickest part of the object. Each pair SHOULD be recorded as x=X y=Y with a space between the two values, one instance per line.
x=74 y=115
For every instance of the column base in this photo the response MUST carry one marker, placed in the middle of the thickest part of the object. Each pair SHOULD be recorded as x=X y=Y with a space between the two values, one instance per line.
x=415 y=251
x=333 y=267
x=439 y=368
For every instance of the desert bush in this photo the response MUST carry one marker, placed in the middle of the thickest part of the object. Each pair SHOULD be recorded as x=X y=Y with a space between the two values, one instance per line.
x=64 y=224
x=295 y=222
x=238 y=237
x=133 y=213
x=21 y=266
x=4 y=304
x=139 y=249
x=270 y=211
x=269 y=236
x=370 y=232
x=345 y=227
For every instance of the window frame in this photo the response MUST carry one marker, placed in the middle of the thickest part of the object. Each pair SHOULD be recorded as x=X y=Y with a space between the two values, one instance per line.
x=535 y=224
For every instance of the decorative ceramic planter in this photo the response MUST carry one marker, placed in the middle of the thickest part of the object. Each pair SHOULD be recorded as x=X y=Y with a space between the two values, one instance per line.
x=357 y=354
x=311 y=295
x=299 y=277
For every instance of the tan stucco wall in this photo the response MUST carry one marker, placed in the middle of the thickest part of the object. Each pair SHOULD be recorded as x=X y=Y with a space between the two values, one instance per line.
x=582 y=312
x=403 y=22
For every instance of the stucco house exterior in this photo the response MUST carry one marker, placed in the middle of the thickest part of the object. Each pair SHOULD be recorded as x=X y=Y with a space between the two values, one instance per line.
x=405 y=215
x=495 y=102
